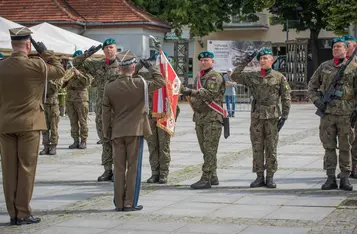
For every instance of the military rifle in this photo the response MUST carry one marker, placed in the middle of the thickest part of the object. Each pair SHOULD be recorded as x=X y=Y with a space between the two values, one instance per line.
x=332 y=92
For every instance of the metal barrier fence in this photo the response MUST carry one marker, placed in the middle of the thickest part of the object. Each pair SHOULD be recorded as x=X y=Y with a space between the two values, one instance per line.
x=243 y=99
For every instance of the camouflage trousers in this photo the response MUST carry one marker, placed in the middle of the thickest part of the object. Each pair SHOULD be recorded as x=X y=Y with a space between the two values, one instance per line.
x=50 y=136
x=78 y=114
x=159 y=149
x=354 y=153
x=333 y=127
x=264 y=137
x=208 y=135
x=98 y=120
x=107 y=152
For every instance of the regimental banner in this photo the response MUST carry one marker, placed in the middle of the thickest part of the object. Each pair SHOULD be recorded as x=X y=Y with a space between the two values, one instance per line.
x=228 y=54
x=165 y=99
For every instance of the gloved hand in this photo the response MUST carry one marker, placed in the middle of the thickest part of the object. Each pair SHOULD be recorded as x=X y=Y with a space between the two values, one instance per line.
x=250 y=56
x=146 y=63
x=281 y=122
x=90 y=51
x=186 y=91
x=39 y=46
x=319 y=104
x=353 y=119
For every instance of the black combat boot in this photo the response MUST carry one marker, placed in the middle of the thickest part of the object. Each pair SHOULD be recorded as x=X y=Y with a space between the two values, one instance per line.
x=330 y=183
x=75 y=145
x=28 y=220
x=345 y=184
x=214 y=180
x=270 y=182
x=45 y=150
x=52 y=150
x=203 y=183
x=107 y=175
x=83 y=144
x=163 y=179
x=153 y=179
x=353 y=174
x=258 y=182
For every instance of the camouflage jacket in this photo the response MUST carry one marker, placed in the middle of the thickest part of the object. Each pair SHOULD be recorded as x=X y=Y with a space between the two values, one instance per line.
x=266 y=92
x=77 y=87
x=320 y=83
x=212 y=89
x=53 y=87
x=102 y=73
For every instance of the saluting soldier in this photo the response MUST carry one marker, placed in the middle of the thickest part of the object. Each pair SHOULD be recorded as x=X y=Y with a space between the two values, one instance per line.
x=126 y=97
x=336 y=123
x=22 y=88
x=103 y=71
x=52 y=113
x=207 y=103
x=267 y=87
x=77 y=104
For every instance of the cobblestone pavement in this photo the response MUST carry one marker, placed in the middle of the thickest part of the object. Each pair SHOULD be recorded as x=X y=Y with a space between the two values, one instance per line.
x=69 y=199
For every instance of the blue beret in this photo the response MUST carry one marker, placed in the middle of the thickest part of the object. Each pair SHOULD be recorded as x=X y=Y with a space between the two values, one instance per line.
x=338 y=39
x=153 y=58
x=109 y=41
x=350 y=38
x=1 y=56
x=205 y=54
x=78 y=52
x=264 y=51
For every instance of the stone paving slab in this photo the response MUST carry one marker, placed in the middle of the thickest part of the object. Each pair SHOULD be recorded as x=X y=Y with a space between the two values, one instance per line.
x=69 y=199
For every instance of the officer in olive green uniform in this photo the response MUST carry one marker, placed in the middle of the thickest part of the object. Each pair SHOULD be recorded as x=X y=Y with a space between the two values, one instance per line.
x=50 y=136
x=77 y=105
x=159 y=141
x=267 y=87
x=103 y=71
x=209 y=88
x=336 y=123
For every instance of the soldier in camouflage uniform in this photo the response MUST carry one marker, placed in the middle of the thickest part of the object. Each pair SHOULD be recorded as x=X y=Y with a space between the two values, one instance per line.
x=209 y=87
x=159 y=141
x=50 y=136
x=77 y=105
x=336 y=123
x=103 y=71
x=267 y=87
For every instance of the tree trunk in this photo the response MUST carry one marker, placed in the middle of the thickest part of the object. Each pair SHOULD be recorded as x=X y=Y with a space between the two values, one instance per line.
x=314 y=34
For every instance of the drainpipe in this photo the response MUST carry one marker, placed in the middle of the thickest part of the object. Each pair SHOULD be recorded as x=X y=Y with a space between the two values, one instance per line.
x=84 y=29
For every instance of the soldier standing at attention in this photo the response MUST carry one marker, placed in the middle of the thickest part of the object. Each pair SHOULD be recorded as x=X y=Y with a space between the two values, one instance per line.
x=207 y=103
x=126 y=96
x=267 y=87
x=159 y=142
x=22 y=89
x=336 y=123
x=103 y=71
x=77 y=105
x=52 y=113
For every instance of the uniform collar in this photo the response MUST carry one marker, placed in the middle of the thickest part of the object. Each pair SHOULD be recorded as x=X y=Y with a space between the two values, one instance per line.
x=265 y=72
x=338 y=61
x=204 y=72
x=19 y=54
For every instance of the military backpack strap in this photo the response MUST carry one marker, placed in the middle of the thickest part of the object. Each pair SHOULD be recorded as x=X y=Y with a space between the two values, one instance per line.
x=146 y=94
x=46 y=69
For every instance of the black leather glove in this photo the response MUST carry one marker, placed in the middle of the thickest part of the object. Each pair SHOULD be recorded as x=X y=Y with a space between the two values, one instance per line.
x=186 y=91
x=353 y=119
x=281 y=122
x=39 y=46
x=90 y=51
x=250 y=56
x=146 y=63
x=319 y=104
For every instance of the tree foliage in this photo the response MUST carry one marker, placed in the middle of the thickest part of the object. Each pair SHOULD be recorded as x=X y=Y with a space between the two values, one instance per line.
x=201 y=16
x=338 y=15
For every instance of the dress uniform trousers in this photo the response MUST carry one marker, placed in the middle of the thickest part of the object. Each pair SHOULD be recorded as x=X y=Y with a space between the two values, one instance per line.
x=19 y=161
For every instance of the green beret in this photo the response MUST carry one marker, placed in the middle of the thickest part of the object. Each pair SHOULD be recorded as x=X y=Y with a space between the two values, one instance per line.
x=1 y=56
x=264 y=51
x=109 y=41
x=205 y=54
x=350 y=38
x=153 y=58
x=78 y=52
x=338 y=39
